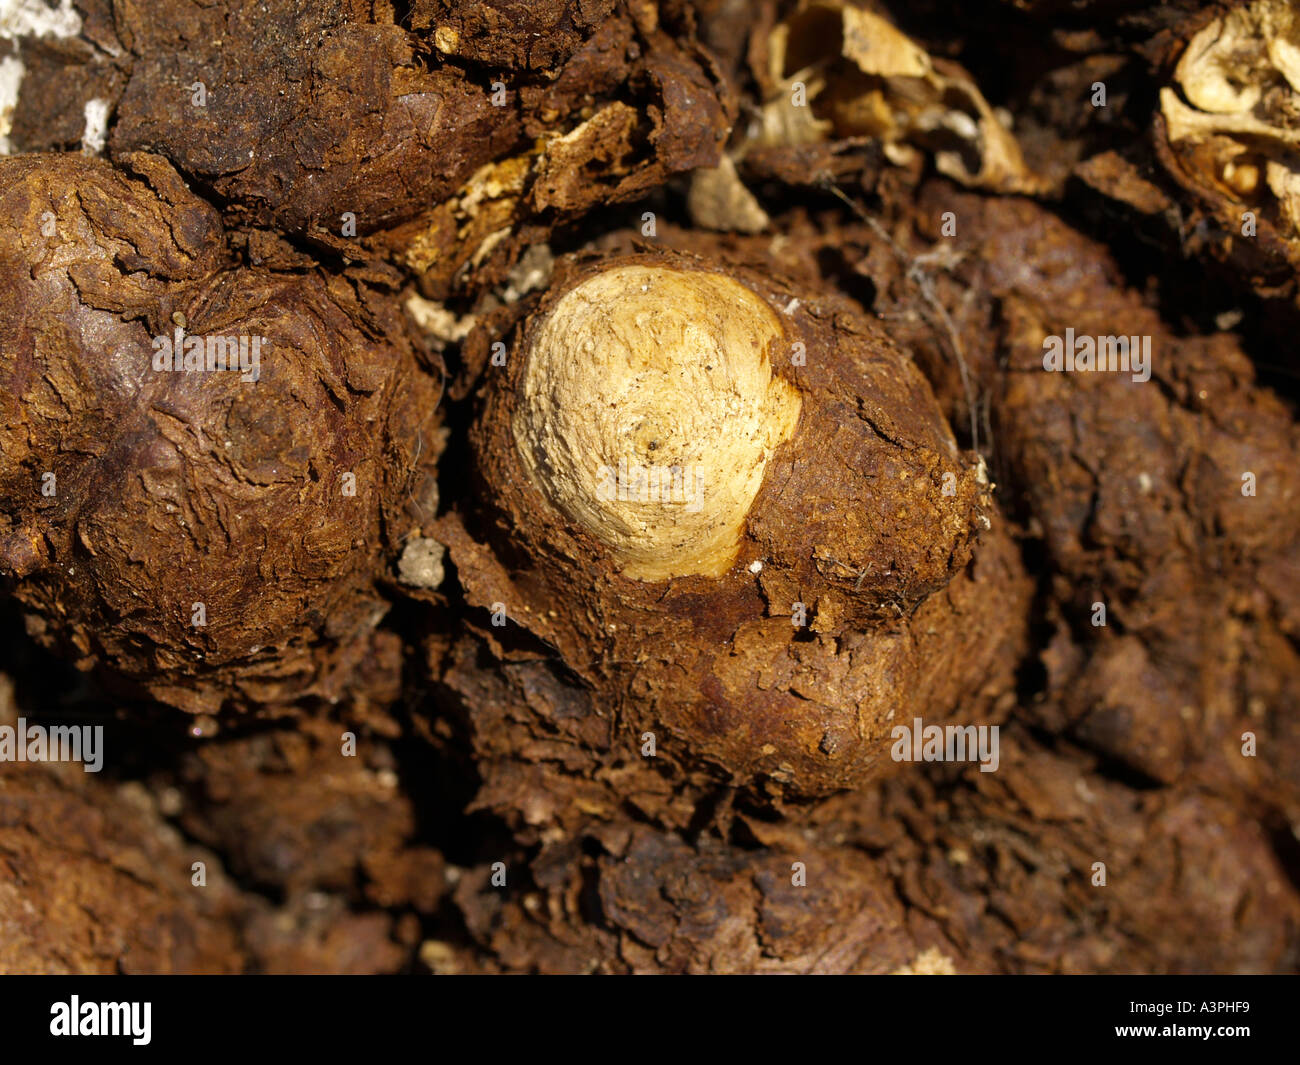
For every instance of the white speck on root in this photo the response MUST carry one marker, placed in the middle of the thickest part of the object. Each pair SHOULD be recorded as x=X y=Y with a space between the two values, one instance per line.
x=11 y=76
x=96 y=132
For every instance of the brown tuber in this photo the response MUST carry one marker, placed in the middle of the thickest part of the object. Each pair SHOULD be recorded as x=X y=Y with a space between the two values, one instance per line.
x=734 y=509
x=213 y=535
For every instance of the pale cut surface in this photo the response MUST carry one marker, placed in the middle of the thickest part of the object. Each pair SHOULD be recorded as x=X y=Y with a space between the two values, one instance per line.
x=648 y=412
x=1240 y=126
